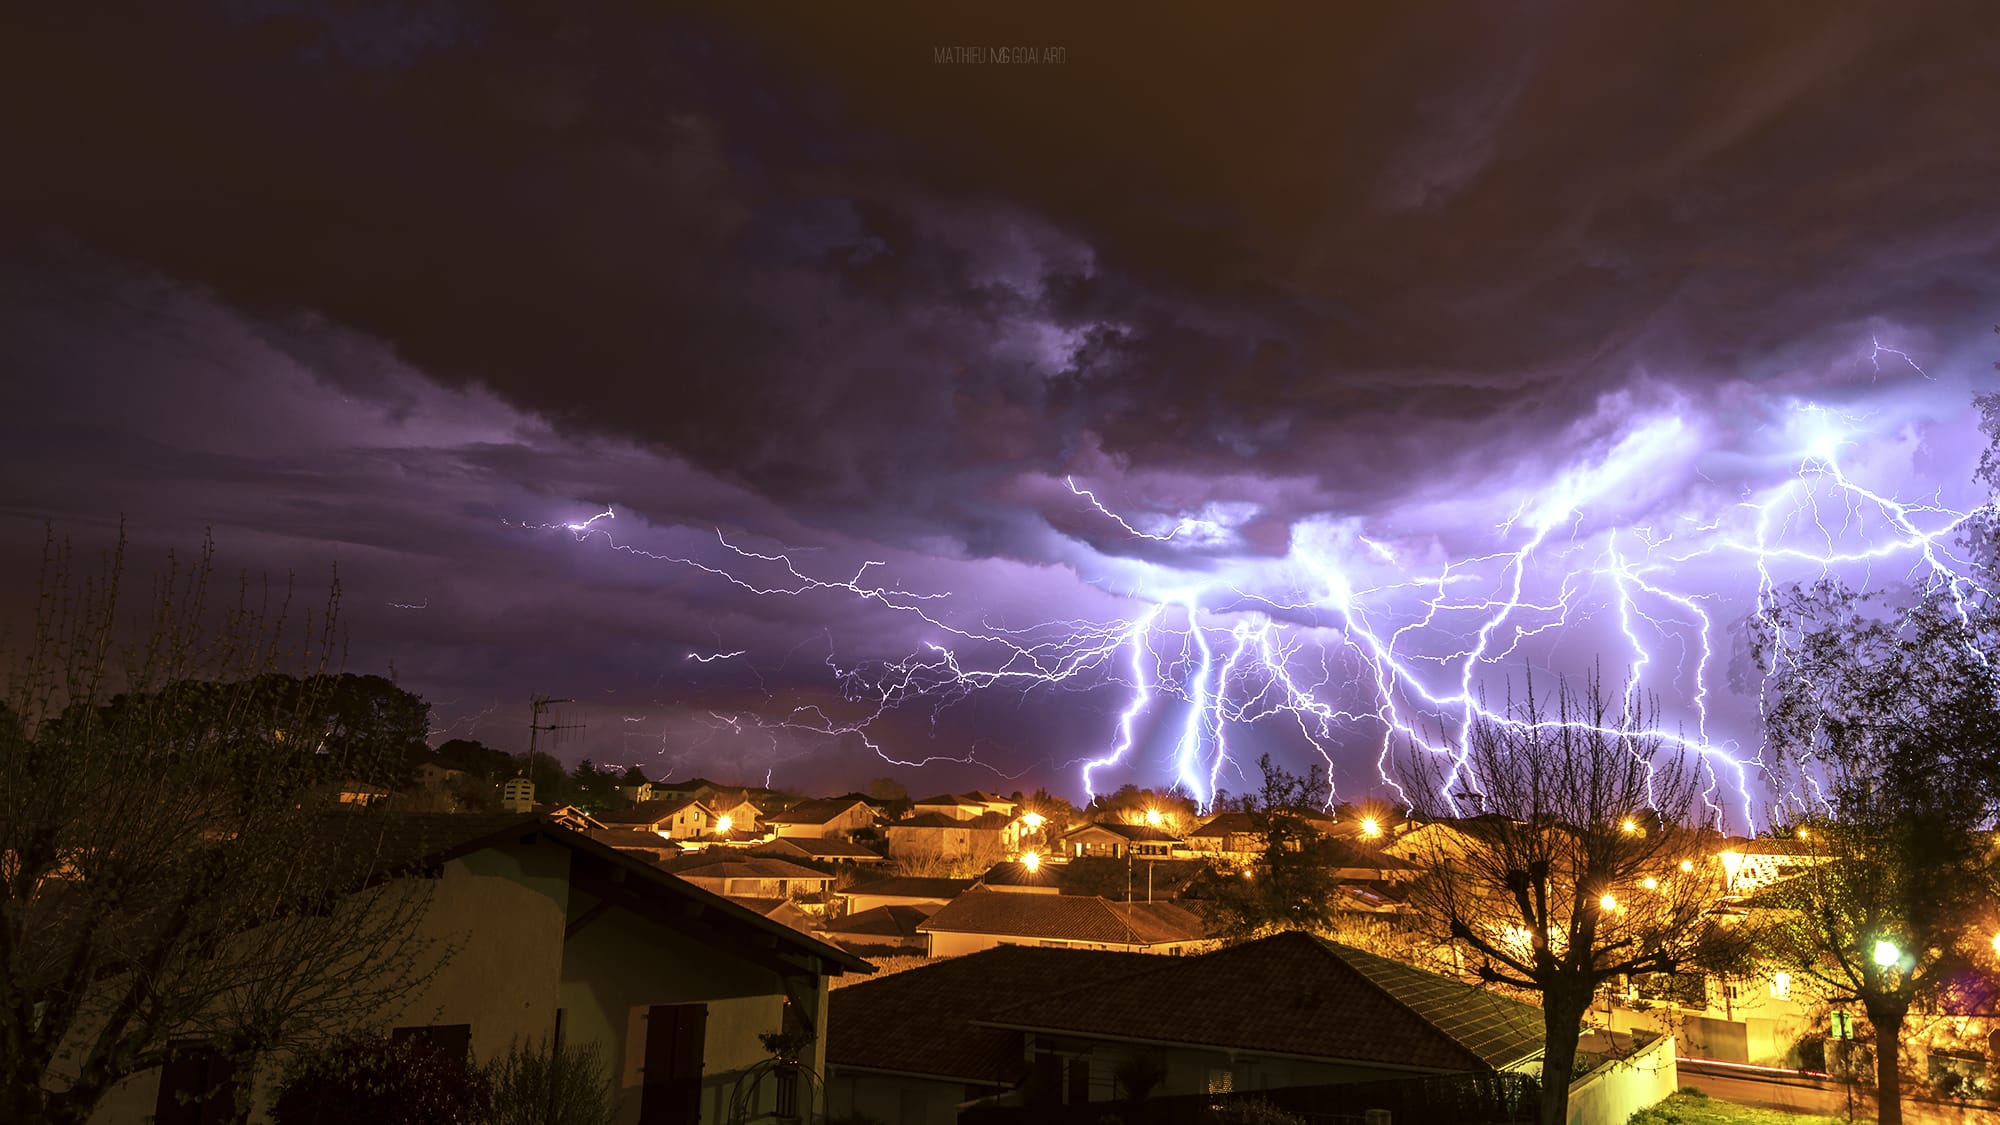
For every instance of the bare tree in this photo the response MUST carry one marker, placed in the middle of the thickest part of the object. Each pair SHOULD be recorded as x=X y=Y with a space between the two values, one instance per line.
x=174 y=878
x=1579 y=864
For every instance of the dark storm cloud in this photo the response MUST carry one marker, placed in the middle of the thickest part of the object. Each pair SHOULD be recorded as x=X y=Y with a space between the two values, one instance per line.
x=390 y=282
x=790 y=246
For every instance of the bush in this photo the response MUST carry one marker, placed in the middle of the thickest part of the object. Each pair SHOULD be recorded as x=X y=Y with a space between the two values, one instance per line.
x=370 y=1079
x=1255 y=1111
x=563 y=1085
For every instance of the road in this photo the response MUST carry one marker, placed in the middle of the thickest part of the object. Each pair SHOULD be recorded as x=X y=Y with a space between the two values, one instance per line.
x=1802 y=1092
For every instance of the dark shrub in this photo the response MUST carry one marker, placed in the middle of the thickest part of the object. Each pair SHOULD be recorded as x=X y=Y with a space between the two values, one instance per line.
x=369 y=1079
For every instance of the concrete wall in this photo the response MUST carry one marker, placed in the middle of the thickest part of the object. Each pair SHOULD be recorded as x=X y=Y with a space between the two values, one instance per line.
x=1612 y=1093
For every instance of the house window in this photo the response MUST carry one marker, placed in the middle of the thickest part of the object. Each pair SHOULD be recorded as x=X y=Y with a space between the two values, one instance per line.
x=452 y=1040
x=1221 y=1080
x=1781 y=986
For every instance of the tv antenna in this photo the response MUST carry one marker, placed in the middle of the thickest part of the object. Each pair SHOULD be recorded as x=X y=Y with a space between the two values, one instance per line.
x=539 y=707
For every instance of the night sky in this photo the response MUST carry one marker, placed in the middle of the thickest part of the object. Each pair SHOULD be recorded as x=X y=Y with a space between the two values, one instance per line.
x=1335 y=315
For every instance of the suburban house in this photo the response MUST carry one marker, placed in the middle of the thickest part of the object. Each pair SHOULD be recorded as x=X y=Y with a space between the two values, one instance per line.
x=735 y=807
x=1112 y=840
x=356 y=792
x=1288 y=1010
x=1233 y=836
x=883 y=931
x=1012 y=876
x=965 y=806
x=901 y=890
x=739 y=876
x=981 y=919
x=435 y=775
x=677 y=818
x=936 y=836
x=903 y=1048
x=837 y=817
x=817 y=850
x=553 y=933
x=1749 y=865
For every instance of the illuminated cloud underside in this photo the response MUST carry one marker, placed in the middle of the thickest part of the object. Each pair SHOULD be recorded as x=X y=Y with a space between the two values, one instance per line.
x=1633 y=560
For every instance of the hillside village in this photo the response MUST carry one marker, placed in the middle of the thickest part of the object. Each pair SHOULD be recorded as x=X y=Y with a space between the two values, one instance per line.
x=996 y=959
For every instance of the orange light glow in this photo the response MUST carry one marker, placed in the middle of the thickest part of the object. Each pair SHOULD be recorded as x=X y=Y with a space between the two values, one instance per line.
x=1032 y=861
x=724 y=824
x=1608 y=902
x=1370 y=827
x=1153 y=817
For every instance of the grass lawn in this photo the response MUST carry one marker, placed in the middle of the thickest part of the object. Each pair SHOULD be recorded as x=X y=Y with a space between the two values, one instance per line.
x=1692 y=1107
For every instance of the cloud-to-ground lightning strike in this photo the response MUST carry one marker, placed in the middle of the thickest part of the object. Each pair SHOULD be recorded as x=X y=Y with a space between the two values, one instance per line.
x=1347 y=644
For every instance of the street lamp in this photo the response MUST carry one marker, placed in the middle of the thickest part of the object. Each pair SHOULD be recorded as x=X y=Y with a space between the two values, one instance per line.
x=1153 y=817
x=1032 y=861
x=723 y=824
x=1886 y=953
x=1370 y=827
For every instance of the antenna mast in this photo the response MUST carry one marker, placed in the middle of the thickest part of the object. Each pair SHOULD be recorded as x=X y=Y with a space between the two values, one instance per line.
x=538 y=708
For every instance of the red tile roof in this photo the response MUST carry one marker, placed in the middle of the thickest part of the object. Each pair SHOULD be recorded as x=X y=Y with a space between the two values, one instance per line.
x=1298 y=995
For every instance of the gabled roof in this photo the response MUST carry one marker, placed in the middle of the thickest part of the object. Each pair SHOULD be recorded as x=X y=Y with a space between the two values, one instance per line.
x=919 y=1021
x=741 y=867
x=1137 y=833
x=984 y=822
x=1226 y=823
x=1014 y=873
x=1066 y=918
x=813 y=812
x=880 y=921
x=909 y=886
x=813 y=847
x=650 y=812
x=943 y=799
x=396 y=842
x=1297 y=995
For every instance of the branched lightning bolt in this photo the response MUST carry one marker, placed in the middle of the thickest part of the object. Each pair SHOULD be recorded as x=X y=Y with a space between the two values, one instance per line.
x=1345 y=643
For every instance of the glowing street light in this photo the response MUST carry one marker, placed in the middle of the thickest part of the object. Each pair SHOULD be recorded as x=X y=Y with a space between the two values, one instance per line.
x=1650 y=883
x=1886 y=953
x=1996 y=943
x=1370 y=827
x=1032 y=861
x=1033 y=820
x=1153 y=817
x=1629 y=827
x=1687 y=865
x=724 y=823
x=1608 y=902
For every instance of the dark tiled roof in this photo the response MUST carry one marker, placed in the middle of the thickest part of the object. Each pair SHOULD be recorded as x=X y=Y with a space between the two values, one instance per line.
x=943 y=799
x=919 y=1020
x=984 y=822
x=1013 y=873
x=1227 y=823
x=1066 y=918
x=812 y=812
x=742 y=867
x=880 y=921
x=906 y=886
x=648 y=812
x=812 y=847
x=1137 y=833
x=1314 y=998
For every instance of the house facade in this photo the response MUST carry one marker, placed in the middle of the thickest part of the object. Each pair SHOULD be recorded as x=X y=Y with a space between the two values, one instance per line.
x=930 y=835
x=822 y=818
x=677 y=818
x=552 y=933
